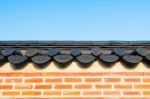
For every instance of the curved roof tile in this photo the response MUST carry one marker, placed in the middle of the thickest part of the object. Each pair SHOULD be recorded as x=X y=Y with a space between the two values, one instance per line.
x=133 y=59
x=44 y=52
x=63 y=58
x=109 y=58
x=17 y=59
x=41 y=59
x=85 y=59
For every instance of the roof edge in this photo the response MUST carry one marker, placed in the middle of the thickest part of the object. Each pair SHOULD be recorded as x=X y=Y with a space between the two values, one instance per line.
x=74 y=43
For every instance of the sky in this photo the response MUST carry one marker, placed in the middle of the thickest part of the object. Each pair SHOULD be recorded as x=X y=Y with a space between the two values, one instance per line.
x=76 y=20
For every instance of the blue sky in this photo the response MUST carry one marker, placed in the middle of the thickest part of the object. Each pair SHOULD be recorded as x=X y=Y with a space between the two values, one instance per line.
x=75 y=20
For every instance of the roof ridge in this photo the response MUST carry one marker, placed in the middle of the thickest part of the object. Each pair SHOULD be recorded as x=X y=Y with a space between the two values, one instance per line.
x=46 y=42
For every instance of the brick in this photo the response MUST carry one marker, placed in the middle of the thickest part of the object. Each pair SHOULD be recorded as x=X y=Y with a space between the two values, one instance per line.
x=83 y=86
x=32 y=74
x=134 y=74
x=84 y=74
x=123 y=86
x=91 y=93
x=51 y=93
x=112 y=79
x=3 y=74
x=103 y=86
x=131 y=93
x=14 y=80
x=92 y=80
x=146 y=93
x=62 y=74
x=146 y=74
x=1 y=80
x=50 y=74
x=37 y=97
x=118 y=73
x=146 y=80
x=111 y=93
x=76 y=97
x=70 y=74
x=72 y=80
x=53 y=80
x=81 y=74
x=15 y=74
x=31 y=93
x=10 y=93
x=34 y=80
x=131 y=97
x=113 y=73
x=23 y=87
x=142 y=86
x=72 y=93
x=5 y=87
x=56 y=74
x=132 y=79
x=43 y=86
x=67 y=86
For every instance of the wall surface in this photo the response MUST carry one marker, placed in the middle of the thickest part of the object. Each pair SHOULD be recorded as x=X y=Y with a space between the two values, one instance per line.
x=95 y=82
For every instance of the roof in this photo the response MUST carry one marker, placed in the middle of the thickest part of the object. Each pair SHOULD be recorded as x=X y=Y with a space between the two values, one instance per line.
x=40 y=53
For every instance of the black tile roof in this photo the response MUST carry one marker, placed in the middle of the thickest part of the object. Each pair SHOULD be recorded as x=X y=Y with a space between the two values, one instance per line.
x=40 y=53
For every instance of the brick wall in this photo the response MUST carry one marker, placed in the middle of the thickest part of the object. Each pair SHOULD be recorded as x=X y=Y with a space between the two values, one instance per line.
x=76 y=83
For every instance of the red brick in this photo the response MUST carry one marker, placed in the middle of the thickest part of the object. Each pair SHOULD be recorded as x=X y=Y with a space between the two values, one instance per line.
x=1 y=80
x=132 y=79
x=131 y=93
x=146 y=80
x=123 y=86
x=53 y=80
x=32 y=74
x=15 y=74
x=23 y=87
x=14 y=80
x=142 y=86
x=10 y=93
x=115 y=93
x=51 y=93
x=72 y=80
x=146 y=74
x=83 y=86
x=5 y=87
x=91 y=93
x=71 y=93
x=103 y=86
x=92 y=80
x=34 y=80
x=65 y=86
x=31 y=93
x=112 y=79
x=71 y=74
x=113 y=73
x=146 y=93
x=3 y=74
x=43 y=86
x=134 y=73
